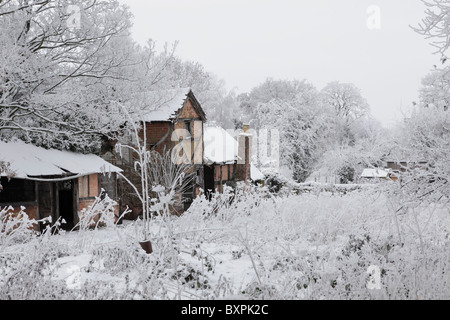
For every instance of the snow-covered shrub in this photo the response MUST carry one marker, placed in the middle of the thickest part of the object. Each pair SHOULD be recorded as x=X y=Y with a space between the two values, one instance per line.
x=101 y=212
x=346 y=174
x=282 y=186
x=26 y=273
x=15 y=226
x=168 y=178
x=315 y=246
x=275 y=182
x=405 y=271
x=250 y=244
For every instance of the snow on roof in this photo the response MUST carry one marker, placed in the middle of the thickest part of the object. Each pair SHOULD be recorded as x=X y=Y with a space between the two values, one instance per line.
x=163 y=105
x=374 y=173
x=221 y=147
x=28 y=161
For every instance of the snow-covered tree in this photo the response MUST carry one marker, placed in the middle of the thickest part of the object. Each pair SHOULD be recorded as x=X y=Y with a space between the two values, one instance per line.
x=424 y=139
x=436 y=25
x=435 y=90
x=270 y=89
x=355 y=140
x=372 y=145
x=346 y=100
x=294 y=109
x=58 y=60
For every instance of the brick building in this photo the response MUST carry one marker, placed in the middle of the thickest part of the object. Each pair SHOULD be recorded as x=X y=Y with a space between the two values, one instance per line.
x=53 y=183
x=169 y=118
x=174 y=118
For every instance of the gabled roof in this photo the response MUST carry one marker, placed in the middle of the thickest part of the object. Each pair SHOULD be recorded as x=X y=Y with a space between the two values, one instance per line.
x=164 y=105
x=29 y=161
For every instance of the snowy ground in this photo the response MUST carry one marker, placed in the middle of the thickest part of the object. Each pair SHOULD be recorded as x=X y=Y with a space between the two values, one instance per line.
x=308 y=246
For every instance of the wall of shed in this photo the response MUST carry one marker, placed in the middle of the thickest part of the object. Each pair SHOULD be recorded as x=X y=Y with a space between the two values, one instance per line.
x=46 y=202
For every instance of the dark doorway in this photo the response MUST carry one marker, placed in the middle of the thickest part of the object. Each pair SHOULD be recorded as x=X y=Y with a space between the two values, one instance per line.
x=209 y=180
x=47 y=204
x=65 y=197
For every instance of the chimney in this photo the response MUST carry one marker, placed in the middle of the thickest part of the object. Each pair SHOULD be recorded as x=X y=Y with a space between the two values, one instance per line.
x=244 y=153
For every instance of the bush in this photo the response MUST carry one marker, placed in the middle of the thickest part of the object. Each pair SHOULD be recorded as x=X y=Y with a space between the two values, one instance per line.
x=15 y=227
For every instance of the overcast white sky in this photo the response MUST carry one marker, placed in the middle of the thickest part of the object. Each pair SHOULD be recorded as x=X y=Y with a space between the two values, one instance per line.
x=246 y=41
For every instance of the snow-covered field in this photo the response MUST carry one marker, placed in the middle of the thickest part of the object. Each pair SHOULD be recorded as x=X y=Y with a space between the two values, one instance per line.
x=315 y=245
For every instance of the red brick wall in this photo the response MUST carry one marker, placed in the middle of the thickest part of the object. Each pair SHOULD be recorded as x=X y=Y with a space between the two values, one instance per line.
x=188 y=110
x=158 y=132
x=225 y=173
x=94 y=189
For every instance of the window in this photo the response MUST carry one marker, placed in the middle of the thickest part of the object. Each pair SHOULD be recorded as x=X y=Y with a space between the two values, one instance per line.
x=17 y=190
x=188 y=127
x=88 y=186
x=83 y=186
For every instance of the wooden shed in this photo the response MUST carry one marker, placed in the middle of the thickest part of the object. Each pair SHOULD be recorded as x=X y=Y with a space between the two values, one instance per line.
x=53 y=183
